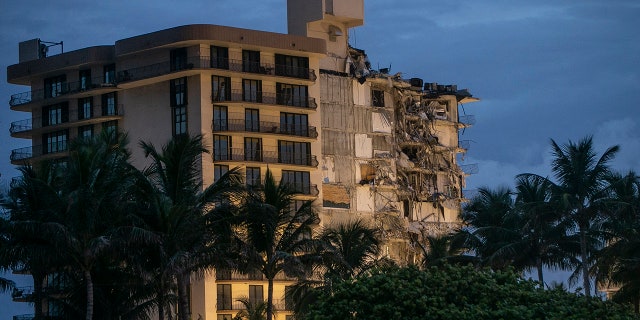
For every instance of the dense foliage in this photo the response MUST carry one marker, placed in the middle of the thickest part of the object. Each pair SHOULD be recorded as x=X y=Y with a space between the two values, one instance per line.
x=454 y=292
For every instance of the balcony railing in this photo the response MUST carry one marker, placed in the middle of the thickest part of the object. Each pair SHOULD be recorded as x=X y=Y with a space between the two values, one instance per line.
x=467 y=119
x=205 y=62
x=161 y=68
x=239 y=154
x=239 y=125
x=38 y=150
x=33 y=316
x=263 y=68
x=464 y=144
x=235 y=304
x=65 y=89
x=22 y=293
x=235 y=275
x=469 y=168
x=73 y=116
x=266 y=98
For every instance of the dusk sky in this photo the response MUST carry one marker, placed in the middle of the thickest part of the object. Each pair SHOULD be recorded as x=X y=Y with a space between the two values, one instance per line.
x=543 y=69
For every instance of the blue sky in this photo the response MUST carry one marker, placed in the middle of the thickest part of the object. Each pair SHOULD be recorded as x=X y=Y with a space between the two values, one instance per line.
x=543 y=69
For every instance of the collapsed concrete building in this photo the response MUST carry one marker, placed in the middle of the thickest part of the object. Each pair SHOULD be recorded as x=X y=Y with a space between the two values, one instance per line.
x=362 y=143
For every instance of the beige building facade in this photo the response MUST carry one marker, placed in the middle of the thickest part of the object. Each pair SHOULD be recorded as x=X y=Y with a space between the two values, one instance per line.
x=361 y=143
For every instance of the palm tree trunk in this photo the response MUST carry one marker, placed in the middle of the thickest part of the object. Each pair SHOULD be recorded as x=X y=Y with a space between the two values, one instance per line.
x=183 y=296
x=38 y=279
x=270 y=298
x=540 y=274
x=586 y=281
x=88 y=279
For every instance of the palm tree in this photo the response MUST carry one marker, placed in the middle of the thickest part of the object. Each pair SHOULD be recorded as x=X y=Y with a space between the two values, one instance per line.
x=276 y=233
x=98 y=177
x=487 y=216
x=252 y=311
x=618 y=263
x=581 y=191
x=32 y=203
x=349 y=249
x=543 y=235
x=187 y=226
x=438 y=250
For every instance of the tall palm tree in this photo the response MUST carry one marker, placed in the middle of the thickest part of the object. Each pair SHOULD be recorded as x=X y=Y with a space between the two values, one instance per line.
x=543 y=234
x=276 y=233
x=581 y=190
x=98 y=177
x=487 y=216
x=618 y=263
x=32 y=203
x=187 y=225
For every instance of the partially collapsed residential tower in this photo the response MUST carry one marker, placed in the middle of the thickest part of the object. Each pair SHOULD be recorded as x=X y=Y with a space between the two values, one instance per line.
x=362 y=143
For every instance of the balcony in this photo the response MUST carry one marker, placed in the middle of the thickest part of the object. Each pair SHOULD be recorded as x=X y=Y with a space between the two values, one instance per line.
x=464 y=145
x=33 y=316
x=236 y=305
x=467 y=120
x=205 y=62
x=22 y=294
x=240 y=125
x=231 y=275
x=264 y=68
x=469 y=169
x=28 y=127
x=67 y=88
x=23 y=154
x=239 y=155
x=282 y=99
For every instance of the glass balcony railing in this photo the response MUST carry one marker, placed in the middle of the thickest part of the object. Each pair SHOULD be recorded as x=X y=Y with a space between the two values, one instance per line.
x=241 y=155
x=239 y=125
x=73 y=116
x=65 y=89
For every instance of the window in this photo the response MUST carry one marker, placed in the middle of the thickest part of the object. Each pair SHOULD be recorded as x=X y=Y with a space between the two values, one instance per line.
x=298 y=181
x=178 y=59
x=252 y=176
x=109 y=107
x=294 y=124
x=179 y=120
x=85 y=131
x=55 y=86
x=218 y=172
x=55 y=114
x=110 y=126
x=250 y=61
x=179 y=105
x=85 y=79
x=55 y=141
x=221 y=147
x=220 y=118
x=110 y=74
x=178 y=92
x=292 y=95
x=219 y=57
x=294 y=152
x=377 y=98
x=255 y=294
x=252 y=120
x=251 y=90
x=220 y=88
x=290 y=66
x=85 y=108
x=225 y=317
x=252 y=149
x=224 y=297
